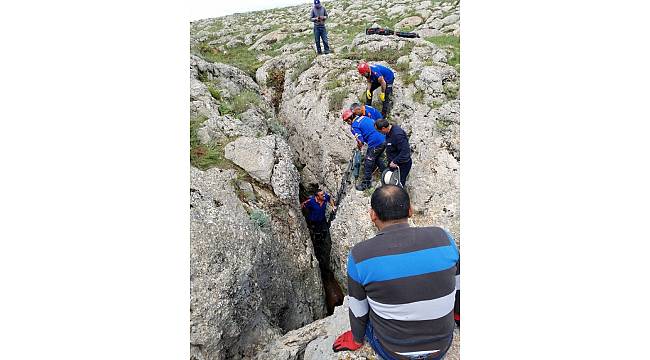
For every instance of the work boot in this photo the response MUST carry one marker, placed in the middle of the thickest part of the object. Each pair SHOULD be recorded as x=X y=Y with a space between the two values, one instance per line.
x=363 y=186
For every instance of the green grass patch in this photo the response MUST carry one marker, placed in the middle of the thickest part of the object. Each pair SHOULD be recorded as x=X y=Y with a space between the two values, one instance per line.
x=205 y=156
x=240 y=103
x=403 y=67
x=436 y=104
x=304 y=64
x=388 y=55
x=216 y=94
x=451 y=90
x=451 y=43
x=260 y=219
x=443 y=124
x=277 y=128
x=418 y=96
x=345 y=34
x=275 y=47
x=336 y=99
x=410 y=78
x=333 y=84
x=239 y=57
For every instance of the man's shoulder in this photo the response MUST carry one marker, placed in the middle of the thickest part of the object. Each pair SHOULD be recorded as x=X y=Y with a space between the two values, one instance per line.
x=366 y=121
x=398 y=130
x=428 y=236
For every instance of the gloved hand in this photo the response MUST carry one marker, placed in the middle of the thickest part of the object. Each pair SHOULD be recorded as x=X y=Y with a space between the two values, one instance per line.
x=382 y=96
x=345 y=342
x=368 y=95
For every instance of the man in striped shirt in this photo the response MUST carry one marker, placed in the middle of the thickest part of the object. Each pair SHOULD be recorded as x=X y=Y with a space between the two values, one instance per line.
x=402 y=283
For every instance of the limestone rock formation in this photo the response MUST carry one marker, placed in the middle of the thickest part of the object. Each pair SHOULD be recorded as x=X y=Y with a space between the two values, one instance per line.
x=250 y=279
x=314 y=341
x=267 y=139
x=351 y=226
x=256 y=156
x=410 y=21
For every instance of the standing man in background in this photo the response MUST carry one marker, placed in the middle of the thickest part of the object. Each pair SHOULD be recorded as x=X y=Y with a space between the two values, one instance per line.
x=318 y=17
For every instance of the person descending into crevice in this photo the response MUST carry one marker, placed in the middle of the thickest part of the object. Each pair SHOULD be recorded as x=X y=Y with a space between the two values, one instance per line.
x=363 y=129
x=316 y=207
x=398 y=149
x=318 y=16
x=403 y=285
x=378 y=76
x=366 y=110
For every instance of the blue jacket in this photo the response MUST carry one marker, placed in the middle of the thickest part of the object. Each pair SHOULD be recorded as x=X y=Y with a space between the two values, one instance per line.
x=317 y=212
x=372 y=113
x=398 y=149
x=377 y=71
x=363 y=128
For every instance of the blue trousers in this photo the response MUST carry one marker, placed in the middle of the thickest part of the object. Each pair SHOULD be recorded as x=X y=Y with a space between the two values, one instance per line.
x=374 y=343
x=320 y=32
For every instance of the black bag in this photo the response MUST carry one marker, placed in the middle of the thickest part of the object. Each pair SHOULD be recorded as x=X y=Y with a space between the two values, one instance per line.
x=407 y=34
x=379 y=31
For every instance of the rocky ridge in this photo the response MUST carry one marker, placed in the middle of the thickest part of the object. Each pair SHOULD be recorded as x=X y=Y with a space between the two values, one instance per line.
x=265 y=123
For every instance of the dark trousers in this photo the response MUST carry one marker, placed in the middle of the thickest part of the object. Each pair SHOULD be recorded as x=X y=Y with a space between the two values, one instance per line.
x=404 y=169
x=322 y=247
x=321 y=33
x=373 y=160
x=388 y=104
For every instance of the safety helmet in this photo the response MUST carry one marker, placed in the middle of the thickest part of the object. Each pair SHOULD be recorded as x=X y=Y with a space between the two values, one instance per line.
x=390 y=177
x=347 y=113
x=363 y=68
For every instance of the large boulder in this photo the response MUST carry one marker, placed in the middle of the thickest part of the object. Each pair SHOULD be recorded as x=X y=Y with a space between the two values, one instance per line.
x=351 y=226
x=268 y=39
x=229 y=79
x=285 y=179
x=250 y=281
x=410 y=21
x=434 y=180
x=256 y=156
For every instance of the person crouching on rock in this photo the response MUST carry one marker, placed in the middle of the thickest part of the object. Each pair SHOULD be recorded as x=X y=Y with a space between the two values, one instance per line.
x=366 y=110
x=363 y=129
x=398 y=149
x=378 y=76
x=402 y=284
x=318 y=17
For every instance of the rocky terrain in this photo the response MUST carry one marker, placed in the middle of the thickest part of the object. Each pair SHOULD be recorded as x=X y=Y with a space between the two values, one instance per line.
x=265 y=130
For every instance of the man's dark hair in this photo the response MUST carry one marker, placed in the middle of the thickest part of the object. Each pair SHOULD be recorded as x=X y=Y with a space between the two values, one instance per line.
x=317 y=191
x=390 y=202
x=354 y=106
x=381 y=123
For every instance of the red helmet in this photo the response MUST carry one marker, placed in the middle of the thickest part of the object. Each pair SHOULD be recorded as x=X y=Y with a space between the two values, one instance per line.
x=363 y=68
x=347 y=113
